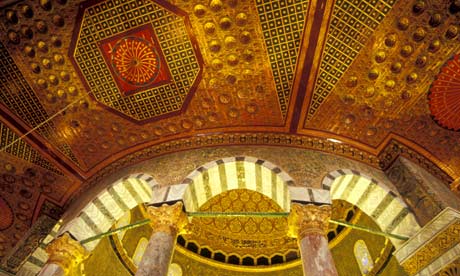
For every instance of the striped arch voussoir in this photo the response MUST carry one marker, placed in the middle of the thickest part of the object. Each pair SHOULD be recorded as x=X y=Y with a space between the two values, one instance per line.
x=373 y=198
x=240 y=172
x=110 y=205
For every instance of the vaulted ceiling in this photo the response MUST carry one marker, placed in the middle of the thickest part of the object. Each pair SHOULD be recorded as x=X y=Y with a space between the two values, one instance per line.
x=85 y=84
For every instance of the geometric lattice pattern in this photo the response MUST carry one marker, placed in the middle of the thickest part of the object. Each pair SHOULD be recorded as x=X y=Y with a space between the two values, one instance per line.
x=352 y=23
x=22 y=150
x=18 y=96
x=116 y=18
x=282 y=25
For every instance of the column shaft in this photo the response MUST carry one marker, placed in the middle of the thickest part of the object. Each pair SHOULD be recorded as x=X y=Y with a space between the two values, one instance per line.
x=166 y=221
x=309 y=224
x=316 y=256
x=157 y=255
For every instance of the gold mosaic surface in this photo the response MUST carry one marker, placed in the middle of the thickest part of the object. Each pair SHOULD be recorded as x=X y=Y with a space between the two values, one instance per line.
x=353 y=22
x=22 y=150
x=110 y=18
x=19 y=97
x=242 y=236
x=282 y=24
x=121 y=253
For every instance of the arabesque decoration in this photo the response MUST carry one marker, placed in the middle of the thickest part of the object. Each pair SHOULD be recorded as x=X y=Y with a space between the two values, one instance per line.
x=433 y=249
x=136 y=61
x=137 y=58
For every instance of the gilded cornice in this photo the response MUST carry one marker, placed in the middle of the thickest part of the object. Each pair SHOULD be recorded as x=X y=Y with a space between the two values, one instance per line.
x=432 y=250
x=380 y=158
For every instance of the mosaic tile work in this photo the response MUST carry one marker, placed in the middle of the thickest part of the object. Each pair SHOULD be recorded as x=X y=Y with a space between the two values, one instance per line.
x=117 y=18
x=19 y=97
x=282 y=24
x=352 y=23
x=22 y=150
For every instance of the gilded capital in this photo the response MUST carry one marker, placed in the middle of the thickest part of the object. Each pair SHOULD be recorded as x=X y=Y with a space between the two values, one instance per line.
x=66 y=252
x=167 y=218
x=308 y=219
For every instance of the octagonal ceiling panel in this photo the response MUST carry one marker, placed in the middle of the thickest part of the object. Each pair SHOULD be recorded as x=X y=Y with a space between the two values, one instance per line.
x=137 y=57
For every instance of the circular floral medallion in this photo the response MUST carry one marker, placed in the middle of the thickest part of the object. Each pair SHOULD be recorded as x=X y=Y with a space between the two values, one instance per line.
x=6 y=215
x=136 y=61
x=444 y=96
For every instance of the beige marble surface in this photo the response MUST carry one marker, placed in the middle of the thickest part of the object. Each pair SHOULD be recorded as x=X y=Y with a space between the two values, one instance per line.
x=157 y=255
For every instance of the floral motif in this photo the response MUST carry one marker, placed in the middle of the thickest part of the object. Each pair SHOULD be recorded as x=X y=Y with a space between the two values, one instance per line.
x=135 y=61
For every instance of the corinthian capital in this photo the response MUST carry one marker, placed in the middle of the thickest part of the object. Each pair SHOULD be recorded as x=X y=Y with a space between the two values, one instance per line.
x=167 y=218
x=66 y=252
x=308 y=219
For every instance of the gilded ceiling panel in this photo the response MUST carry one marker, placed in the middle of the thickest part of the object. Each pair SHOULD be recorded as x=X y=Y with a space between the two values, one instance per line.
x=386 y=88
x=137 y=57
x=282 y=24
x=351 y=25
x=18 y=96
x=11 y=144
x=249 y=54
x=27 y=180
x=23 y=189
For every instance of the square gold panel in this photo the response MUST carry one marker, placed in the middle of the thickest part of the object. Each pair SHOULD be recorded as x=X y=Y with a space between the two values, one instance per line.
x=137 y=58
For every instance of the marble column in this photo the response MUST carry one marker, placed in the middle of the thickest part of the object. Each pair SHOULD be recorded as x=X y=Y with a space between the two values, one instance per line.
x=64 y=256
x=166 y=222
x=309 y=223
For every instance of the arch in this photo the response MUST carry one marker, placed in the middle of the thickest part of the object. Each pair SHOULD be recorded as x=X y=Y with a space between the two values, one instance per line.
x=241 y=172
x=389 y=212
x=109 y=206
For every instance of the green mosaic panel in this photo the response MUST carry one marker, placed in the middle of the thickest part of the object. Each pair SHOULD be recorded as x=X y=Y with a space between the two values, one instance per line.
x=22 y=150
x=282 y=24
x=114 y=17
x=352 y=23
x=18 y=96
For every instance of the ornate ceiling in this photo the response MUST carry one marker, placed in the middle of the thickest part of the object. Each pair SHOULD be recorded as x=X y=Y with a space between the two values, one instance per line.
x=85 y=85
